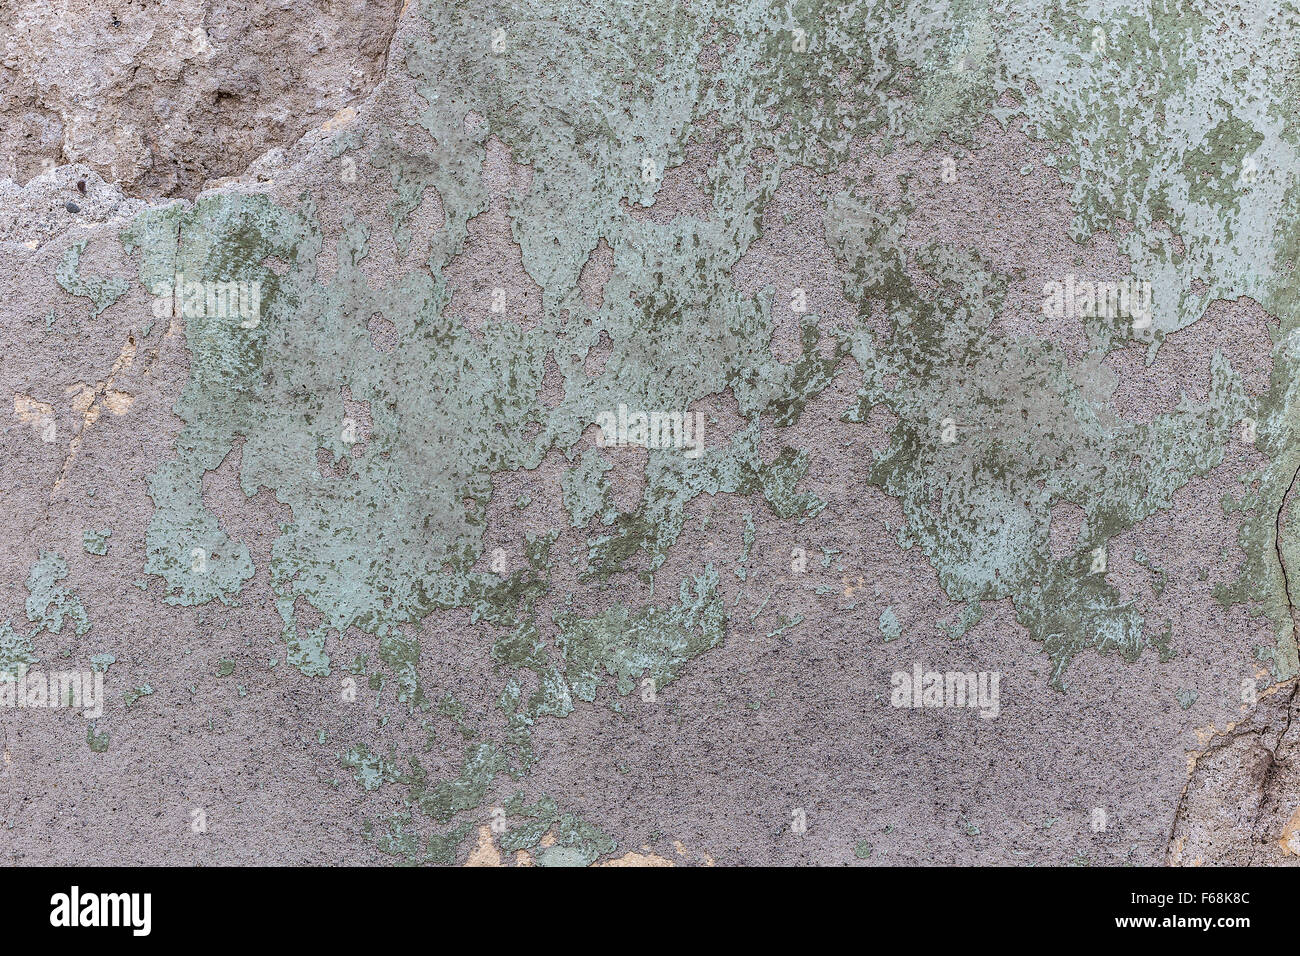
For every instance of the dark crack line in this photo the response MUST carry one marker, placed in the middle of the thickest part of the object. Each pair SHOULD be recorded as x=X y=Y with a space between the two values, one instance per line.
x=1277 y=548
x=1290 y=604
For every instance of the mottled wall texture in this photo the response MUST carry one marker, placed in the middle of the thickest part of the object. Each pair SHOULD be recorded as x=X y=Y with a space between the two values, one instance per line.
x=729 y=431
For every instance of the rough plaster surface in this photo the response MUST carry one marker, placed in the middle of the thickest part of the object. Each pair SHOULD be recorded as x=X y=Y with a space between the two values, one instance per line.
x=367 y=582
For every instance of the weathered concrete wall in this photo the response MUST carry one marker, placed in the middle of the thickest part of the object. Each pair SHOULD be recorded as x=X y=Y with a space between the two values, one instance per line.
x=968 y=335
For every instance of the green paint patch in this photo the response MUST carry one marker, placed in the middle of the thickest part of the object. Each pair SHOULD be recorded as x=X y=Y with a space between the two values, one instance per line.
x=652 y=641
x=98 y=742
x=48 y=604
x=991 y=430
x=889 y=625
x=16 y=653
x=102 y=291
x=577 y=843
x=96 y=542
x=371 y=770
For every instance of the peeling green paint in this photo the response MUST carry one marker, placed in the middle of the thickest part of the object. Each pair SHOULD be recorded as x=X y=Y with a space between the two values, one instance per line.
x=16 y=653
x=96 y=542
x=653 y=641
x=102 y=291
x=889 y=625
x=1141 y=134
x=48 y=604
x=97 y=742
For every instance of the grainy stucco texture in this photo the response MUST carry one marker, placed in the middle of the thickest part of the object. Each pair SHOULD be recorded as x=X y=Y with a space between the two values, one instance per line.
x=969 y=335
